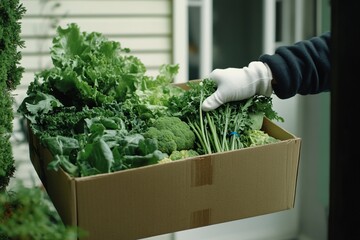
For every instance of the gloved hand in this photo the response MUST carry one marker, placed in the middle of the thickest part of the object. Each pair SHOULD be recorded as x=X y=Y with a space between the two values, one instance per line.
x=235 y=84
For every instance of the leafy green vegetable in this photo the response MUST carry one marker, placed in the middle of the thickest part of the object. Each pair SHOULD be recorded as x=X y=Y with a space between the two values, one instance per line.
x=105 y=147
x=227 y=127
x=165 y=139
x=139 y=151
x=97 y=111
x=172 y=134
x=99 y=155
x=98 y=96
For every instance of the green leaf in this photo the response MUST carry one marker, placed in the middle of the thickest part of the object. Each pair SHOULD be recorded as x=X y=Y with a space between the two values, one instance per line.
x=60 y=145
x=101 y=156
x=148 y=145
x=257 y=121
x=37 y=103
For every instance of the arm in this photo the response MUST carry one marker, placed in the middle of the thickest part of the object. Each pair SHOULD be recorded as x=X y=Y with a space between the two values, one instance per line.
x=302 y=68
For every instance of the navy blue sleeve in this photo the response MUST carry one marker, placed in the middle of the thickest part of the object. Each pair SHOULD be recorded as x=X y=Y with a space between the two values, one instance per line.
x=302 y=68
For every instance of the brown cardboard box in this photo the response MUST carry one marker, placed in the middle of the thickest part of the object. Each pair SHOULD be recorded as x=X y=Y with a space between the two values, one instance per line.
x=175 y=196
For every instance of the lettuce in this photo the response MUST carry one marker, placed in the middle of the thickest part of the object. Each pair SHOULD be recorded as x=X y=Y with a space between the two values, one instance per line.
x=98 y=99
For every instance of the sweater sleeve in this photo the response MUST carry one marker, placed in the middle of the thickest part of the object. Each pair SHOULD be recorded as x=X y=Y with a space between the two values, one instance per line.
x=302 y=68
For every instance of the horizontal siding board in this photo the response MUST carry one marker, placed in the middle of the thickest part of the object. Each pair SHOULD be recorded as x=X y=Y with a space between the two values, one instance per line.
x=96 y=8
x=135 y=44
x=106 y=26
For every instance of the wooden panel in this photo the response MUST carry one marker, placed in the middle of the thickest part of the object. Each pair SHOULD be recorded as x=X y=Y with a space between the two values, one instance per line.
x=96 y=8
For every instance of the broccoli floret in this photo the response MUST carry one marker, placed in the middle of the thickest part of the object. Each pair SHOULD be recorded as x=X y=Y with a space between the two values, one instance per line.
x=184 y=137
x=176 y=155
x=165 y=160
x=165 y=139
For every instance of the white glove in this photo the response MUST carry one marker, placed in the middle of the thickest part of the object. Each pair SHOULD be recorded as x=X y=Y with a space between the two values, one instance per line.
x=235 y=84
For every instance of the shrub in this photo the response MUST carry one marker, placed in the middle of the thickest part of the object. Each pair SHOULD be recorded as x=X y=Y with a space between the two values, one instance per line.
x=27 y=214
x=10 y=75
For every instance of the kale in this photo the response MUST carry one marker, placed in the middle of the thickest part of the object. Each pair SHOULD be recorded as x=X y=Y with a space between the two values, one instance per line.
x=98 y=96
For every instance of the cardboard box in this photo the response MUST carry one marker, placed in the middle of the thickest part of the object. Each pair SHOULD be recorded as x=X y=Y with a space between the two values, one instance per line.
x=180 y=195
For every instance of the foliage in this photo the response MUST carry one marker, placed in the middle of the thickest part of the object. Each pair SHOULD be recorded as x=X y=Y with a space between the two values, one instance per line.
x=26 y=213
x=10 y=74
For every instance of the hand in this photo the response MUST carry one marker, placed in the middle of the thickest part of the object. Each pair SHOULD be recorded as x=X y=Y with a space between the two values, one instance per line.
x=235 y=84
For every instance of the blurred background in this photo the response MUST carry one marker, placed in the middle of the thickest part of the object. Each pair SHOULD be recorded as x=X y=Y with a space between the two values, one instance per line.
x=201 y=35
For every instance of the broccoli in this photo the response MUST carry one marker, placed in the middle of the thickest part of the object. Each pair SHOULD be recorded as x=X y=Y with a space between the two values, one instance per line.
x=164 y=160
x=176 y=155
x=165 y=139
x=172 y=134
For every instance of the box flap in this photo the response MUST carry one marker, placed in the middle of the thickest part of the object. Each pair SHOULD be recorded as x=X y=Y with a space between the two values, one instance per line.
x=275 y=131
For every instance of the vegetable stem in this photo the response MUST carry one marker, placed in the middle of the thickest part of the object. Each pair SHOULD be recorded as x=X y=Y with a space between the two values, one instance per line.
x=214 y=135
x=202 y=127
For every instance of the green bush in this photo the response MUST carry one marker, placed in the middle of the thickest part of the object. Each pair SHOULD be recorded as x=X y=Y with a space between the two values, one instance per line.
x=27 y=214
x=11 y=12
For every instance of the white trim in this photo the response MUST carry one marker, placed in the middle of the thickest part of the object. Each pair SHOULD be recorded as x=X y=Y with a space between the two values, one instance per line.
x=194 y=3
x=206 y=39
x=180 y=39
x=287 y=25
x=319 y=15
x=269 y=26
x=299 y=20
